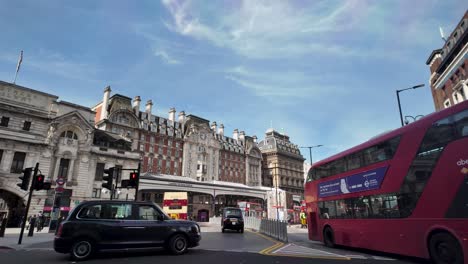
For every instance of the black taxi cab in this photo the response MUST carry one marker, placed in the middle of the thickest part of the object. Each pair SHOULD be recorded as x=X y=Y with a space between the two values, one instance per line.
x=108 y=225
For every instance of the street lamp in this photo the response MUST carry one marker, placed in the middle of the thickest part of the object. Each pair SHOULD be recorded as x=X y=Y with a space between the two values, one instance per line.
x=415 y=118
x=398 y=98
x=310 y=151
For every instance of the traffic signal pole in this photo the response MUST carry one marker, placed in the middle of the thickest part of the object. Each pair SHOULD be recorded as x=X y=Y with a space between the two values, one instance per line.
x=25 y=217
x=138 y=182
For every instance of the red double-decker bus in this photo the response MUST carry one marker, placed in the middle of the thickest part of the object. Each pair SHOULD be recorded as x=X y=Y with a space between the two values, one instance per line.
x=403 y=192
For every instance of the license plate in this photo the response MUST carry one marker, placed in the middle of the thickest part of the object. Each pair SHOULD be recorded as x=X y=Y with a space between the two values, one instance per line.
x=233 y=223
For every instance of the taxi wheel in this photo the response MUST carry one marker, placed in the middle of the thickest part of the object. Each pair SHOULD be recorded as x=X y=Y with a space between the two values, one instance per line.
x=178 y=244
x=82 y=249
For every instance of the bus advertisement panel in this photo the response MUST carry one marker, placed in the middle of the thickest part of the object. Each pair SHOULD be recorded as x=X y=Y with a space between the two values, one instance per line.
x=175 y=204
x=403 y=192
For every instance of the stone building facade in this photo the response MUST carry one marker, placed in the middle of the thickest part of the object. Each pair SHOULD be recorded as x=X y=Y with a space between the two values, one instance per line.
x=449 y=68
x=60 y=136
x=283 y=164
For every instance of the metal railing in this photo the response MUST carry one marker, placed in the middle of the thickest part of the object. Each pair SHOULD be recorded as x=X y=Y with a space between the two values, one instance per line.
x=273 y=228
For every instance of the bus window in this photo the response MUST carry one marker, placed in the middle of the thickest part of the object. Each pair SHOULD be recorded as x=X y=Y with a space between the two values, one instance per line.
x=328 y=210
x=361 y=207
x=461 y=120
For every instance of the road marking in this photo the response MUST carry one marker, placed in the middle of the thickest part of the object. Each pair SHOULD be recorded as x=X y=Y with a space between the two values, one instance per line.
x=382 y=258
x=293 y=250
x=356 y=256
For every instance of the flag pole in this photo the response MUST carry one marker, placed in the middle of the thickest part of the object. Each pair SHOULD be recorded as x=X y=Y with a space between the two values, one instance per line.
x=20 y=59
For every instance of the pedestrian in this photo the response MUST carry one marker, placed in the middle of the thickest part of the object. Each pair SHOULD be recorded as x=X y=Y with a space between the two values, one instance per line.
x=289 y=219
x=303 y=219
x=28 y=222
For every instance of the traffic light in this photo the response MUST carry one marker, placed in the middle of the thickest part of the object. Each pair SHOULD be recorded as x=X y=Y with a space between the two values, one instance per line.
x=40 y=184
x=25 y=178
x=133 y=182
x=108 y=178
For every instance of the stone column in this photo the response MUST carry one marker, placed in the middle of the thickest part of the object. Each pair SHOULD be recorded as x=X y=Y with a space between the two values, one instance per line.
x=70 y=170
x=56 y=169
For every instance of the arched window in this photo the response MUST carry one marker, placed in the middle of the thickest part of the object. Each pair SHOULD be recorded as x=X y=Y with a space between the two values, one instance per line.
x=69 y=134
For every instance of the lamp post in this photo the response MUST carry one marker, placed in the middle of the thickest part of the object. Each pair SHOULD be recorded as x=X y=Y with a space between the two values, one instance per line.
x=415 y=118
x=276 y=180
x=398 y=98
x=310 y=151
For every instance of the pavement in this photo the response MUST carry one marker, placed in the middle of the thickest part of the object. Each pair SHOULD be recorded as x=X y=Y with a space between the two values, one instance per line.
x=10 y=240
x=229 y=247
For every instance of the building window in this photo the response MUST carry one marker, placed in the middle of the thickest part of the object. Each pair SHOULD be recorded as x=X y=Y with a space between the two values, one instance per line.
x=177 y=144
x=142 y=147
x=69 y=134
x=4 y=122
x=447 y=103
x=27 y=125
x=18 y=162
x=151 y=139
x=63 y=168
x=160 y=150
x=96 y=193
x=151 y=149
x=99 y=172
x=169 y=143
x=142 y=137
x=176 y=153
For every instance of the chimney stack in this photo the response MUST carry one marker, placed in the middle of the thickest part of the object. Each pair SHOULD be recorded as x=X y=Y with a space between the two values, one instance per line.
x=242 y=135
x=254 y=139
x=136 y=104
x=182 y=117
x=105 y=102
x=235 y=134
x=149 y=108
x=221 y=130
x=214 y=126
x=172 y=112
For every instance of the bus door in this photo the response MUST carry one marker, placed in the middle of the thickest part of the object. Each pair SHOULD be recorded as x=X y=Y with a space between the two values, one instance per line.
x=313 y=224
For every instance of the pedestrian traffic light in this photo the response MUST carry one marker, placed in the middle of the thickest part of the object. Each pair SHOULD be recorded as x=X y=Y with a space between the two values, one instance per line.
x=40 y=184
x=25 y=178
x=133 y=182
x=108 y=178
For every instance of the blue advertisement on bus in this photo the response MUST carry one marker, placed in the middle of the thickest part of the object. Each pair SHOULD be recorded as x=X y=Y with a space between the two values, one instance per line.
x=359 y=182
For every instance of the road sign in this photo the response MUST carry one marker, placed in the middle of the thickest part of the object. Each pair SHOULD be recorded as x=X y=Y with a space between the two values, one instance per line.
x=60 y=181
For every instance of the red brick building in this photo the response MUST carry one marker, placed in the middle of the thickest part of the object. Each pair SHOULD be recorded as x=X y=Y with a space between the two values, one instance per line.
x=158 y=139
x=449 y=68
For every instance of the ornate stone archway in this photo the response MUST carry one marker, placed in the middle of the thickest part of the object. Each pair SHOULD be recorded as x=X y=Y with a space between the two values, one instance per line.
x=13 y=208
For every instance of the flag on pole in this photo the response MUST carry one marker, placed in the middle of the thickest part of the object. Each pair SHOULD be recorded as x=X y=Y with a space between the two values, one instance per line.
x=19 y=62
x=20 y=59
x=442 y=34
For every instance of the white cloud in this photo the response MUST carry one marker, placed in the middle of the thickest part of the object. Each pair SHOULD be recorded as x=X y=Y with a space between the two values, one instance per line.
x=166 y=57
x=266 y=29
x=281 y=86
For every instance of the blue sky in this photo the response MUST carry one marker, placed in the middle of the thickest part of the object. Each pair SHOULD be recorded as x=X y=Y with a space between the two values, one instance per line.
x=323 y=72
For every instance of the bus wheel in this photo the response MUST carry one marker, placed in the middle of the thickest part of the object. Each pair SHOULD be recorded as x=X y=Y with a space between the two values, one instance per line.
x=328 y=237
x=445 y=249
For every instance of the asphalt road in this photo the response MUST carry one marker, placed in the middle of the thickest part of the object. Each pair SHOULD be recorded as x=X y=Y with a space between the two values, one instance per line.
x=217 y=247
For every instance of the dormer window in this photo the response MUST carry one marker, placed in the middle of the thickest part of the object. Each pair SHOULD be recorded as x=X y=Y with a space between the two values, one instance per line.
x=69 y=134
